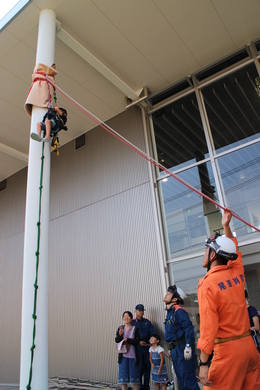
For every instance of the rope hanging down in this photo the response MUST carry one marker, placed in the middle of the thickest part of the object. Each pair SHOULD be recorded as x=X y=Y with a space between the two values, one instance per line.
x=143 y=154
x=37 y=253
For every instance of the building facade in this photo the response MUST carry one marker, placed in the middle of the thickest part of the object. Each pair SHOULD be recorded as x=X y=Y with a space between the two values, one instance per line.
x=121 y=230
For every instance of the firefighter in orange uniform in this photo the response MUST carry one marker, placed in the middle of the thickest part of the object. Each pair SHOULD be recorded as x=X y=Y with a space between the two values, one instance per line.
x=224 y=323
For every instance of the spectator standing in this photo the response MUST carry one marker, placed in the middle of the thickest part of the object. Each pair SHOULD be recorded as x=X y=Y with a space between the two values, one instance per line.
x=254 y=322
x=128 y=370
x=159 y=371
x=146 y=330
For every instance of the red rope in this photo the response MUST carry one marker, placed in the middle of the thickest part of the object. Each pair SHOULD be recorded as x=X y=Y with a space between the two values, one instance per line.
x=166 y=354
x=143 y=154
x=40 y=79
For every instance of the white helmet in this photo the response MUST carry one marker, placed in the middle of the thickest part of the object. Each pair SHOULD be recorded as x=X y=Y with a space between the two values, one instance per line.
x=222 y=246
x=181 y=293
x=177 y=292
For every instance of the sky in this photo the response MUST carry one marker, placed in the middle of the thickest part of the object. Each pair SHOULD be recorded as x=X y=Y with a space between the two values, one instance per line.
x=6 y=6
x=9 y=9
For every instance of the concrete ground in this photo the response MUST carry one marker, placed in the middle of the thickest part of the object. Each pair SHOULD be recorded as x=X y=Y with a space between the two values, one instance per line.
x=9 y=387
x=75 y=384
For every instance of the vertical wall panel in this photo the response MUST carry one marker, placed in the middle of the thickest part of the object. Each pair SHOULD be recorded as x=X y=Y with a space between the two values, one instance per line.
x=112 y=266
x=12 y=210
x=10 y=308
x=12 y=205
x=103 y=168
x=105 y=259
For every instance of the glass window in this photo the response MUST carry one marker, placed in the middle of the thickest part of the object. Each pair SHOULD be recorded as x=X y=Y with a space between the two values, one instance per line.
x=240 y=173
x=186 y=274
x=180 y=139
x=233 y=109
x=189 y=218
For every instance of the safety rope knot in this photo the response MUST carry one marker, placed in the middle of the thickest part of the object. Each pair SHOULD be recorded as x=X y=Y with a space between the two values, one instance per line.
x=28 y=387
x=34 y=316
x=35 y=285
x=32 y=347
x=37 y=253
x=38 y=223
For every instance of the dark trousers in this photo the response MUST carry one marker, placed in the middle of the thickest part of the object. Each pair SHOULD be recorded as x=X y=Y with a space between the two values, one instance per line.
x=184 y=369
x=145 y=368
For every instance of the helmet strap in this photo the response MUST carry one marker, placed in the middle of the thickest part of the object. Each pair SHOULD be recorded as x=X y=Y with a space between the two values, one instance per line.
x=208 y=267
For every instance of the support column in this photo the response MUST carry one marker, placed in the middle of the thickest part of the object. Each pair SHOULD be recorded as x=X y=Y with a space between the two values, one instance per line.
x=45 y=54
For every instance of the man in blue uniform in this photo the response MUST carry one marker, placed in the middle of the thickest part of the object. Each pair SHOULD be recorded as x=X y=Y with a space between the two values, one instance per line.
x=179 y=333
x=146 y=330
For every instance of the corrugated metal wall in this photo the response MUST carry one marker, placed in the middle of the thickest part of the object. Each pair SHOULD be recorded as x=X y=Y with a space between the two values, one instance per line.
x=103 y=257
x=12 y=209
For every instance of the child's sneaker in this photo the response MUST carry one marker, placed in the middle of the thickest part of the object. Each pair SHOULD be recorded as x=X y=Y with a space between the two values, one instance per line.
x=35 y=137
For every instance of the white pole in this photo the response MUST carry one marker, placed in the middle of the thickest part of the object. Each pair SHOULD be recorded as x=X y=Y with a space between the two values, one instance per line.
x=45 y=55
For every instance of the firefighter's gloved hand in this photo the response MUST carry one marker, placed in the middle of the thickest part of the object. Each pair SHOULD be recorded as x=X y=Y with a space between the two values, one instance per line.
x=187 y=352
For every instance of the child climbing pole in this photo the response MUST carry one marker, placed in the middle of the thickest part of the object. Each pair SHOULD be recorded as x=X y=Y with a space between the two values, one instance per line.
x=53 y=121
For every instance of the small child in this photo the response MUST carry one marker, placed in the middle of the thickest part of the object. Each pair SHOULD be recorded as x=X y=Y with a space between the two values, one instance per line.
x=159 y=372
x=53 y=121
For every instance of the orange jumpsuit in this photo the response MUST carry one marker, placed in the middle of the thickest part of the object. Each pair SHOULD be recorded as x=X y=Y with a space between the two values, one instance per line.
x=223 y=314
